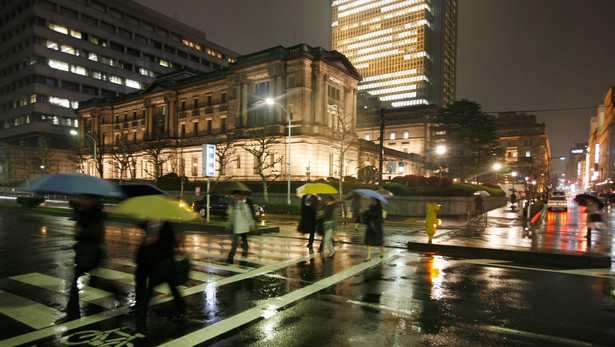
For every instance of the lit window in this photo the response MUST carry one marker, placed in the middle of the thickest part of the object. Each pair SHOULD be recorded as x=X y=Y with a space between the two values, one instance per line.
x=406 y=135
x=514 y=154
x=528 y=154
x=115 y=79
x=33 y=98
x=133 y=84
x=74 y=105
x=58 y=65
x=392 y=136
x=75 y=33
x=163 y=62
x=68 y=49
x=52 y=45
x=58 y=28
x=53 y=100
x=367 y=137
x=93 y=56
x=79 y=70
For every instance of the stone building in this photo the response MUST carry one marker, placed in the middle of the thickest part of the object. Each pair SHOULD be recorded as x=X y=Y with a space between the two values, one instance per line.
x=526 y=146
x=181 y=112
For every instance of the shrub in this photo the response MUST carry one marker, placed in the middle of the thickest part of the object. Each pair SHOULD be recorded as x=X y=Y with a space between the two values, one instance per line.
x=282 y=209
x=30 y=201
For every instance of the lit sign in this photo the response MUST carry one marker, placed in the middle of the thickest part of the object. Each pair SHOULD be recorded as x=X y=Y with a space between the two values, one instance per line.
x=597 y=154
x=577 y=151
x=209 y=160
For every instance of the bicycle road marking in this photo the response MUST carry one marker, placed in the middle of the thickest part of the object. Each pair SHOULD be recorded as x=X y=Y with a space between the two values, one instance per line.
x=48 y=331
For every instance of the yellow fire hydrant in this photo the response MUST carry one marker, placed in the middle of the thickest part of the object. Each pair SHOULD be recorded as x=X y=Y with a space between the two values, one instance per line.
x=431 y=220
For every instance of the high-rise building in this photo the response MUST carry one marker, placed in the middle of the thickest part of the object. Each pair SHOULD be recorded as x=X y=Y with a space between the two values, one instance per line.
x=404 y=50
x=56 y=53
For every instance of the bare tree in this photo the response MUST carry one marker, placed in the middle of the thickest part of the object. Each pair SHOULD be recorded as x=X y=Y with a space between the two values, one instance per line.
x=342 y=131
x=121 y=155
x=154 y=155
x=226 y=153
x=262 y=148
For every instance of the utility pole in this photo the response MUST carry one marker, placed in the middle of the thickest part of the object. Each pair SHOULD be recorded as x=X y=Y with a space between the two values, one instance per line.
x=381 y=148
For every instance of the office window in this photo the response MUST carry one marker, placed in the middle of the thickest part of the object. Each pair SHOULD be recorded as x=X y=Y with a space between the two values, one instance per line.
x=195 y=129
x=367 y=137
x=392 y=136
x=528 y=154
x=208 y=127
x=223 y=125
x=223 y=97
x=406 y=135
x=195 y=103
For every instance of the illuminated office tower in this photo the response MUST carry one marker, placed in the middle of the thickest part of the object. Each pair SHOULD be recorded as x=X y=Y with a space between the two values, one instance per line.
x=405 y=50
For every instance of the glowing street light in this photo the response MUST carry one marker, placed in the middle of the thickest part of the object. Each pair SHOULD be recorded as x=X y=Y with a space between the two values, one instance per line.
x=75 y=133
x=270 y=101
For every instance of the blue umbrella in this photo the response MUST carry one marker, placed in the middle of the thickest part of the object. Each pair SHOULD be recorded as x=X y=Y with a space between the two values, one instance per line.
x=368 y=193
x=75 y=184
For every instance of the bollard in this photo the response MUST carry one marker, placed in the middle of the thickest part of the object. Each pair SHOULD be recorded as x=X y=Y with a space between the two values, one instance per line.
x=431 y=220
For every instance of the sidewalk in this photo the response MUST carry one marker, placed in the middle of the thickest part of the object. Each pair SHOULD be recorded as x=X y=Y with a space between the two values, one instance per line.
x=560 y=240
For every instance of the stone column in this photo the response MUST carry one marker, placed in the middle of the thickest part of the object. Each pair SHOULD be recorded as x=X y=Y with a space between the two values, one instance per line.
x=317 y=94
x=244 y=103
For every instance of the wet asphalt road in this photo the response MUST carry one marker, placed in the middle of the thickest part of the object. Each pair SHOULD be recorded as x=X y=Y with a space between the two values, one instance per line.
x=280 y=295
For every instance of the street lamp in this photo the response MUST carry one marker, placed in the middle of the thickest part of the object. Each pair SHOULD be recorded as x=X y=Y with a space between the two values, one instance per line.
x=270 y=101
x=75 y=133
x=497 y=167
x=440 y=151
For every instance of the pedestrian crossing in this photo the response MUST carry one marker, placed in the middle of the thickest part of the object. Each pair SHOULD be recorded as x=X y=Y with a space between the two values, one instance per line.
x=25 y=306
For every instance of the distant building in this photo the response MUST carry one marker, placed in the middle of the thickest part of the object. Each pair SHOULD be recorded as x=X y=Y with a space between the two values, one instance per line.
x=526 y=146
x=576 y=165
x=406 y=51
x=57 y=53
x=180 y=112
x=600 y=159
x=406 y=130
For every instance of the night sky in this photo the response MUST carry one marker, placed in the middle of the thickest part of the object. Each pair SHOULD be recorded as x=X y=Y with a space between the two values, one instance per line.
x=513 y=55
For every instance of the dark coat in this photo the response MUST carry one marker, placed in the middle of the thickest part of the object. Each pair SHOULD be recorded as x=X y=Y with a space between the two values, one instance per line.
x=373 y=219
x=307 y=223
x=161 y=250
x=89 y=249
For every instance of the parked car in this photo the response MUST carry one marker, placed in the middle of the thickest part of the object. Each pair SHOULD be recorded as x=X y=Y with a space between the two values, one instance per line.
x=218 y=206
x=557 y=203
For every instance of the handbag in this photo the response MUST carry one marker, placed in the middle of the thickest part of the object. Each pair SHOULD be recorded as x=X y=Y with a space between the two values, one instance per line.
x=182 y=271
x=175 y=272
x=595 y=217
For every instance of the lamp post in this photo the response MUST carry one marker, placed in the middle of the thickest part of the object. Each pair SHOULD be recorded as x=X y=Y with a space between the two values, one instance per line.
x=270 y=101
x=497 y=167
x=75 y=133
x=440 y=151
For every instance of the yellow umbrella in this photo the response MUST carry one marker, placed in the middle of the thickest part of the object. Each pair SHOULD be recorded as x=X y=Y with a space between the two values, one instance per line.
x=319 y=188
x=156 y=207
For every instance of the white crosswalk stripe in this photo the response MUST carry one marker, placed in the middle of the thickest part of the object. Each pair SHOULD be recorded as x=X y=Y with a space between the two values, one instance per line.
x=28 y=312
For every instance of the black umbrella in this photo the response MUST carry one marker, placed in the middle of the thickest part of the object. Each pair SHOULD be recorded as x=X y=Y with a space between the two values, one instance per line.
x=584 y=199
x=227 y=187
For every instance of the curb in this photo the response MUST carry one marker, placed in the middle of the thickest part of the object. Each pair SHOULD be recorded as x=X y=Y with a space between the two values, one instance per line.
x=574 y=259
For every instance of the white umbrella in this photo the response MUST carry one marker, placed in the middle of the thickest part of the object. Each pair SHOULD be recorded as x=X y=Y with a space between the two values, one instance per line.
x=482 y=193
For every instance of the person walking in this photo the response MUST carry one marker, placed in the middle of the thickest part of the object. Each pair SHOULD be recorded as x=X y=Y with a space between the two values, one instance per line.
x=593 y=216
x=307 y=222
x=373 y=233
x=240 y=222
x=327 y=218
x=155 y=265
x=355 y=207
x=513 y=200
x=89 y=249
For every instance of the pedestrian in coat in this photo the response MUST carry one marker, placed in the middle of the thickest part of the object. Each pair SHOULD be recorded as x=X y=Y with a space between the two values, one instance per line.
x=373 y=232
x=89 y=249
x=240 y=222
x=594 y=216
x=155 y=265
x=307 y=222
x=327 y=214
